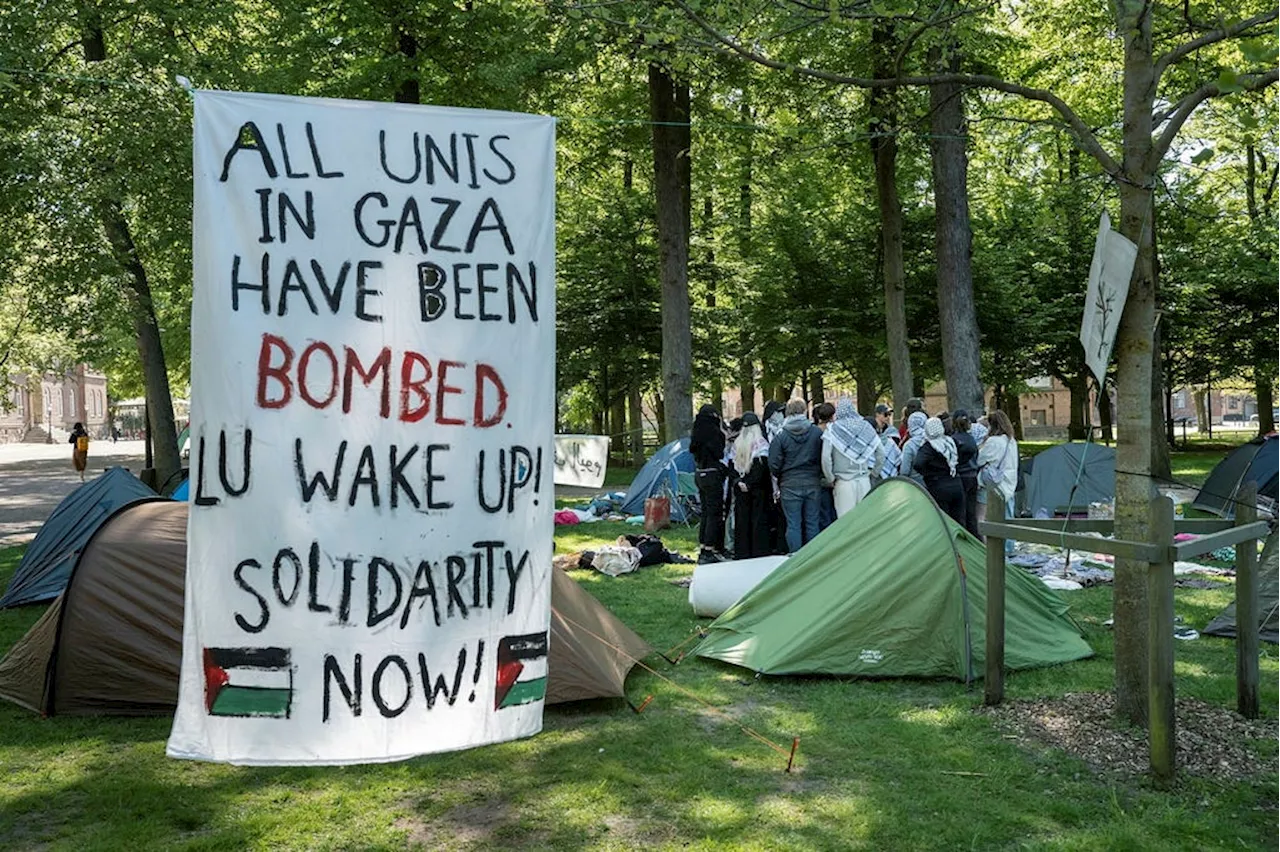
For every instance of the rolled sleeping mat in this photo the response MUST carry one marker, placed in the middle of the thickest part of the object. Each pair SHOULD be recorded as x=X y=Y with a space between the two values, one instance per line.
x=716 y=586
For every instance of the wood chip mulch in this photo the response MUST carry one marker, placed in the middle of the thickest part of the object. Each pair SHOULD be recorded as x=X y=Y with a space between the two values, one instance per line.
x=1212 y=741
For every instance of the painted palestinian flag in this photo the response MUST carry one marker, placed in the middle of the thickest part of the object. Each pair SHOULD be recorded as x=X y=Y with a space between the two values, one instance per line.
x=522 y=670
x=248 y=682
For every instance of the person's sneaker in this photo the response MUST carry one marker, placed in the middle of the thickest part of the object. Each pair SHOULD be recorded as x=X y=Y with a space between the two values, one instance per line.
x=707 y=556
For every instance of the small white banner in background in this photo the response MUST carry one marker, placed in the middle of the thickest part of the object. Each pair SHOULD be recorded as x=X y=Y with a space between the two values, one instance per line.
x=581 y=460
x=372 y=413
x=1109 y=274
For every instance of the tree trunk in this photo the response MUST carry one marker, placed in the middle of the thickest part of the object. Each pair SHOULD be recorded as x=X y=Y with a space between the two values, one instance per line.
x=1202 y=410
x=1262 y=390
x=817 y=393
x=408 y=91
x=866 y=382
x=884 y=152
x=1134 y=356
x=146 y=327
x=1078 y=385
x=1013 y=408
x=1105 y=414
x=618 y=427
x=635 y=427
x=747 y=384
x=957 y=316
x=660 y=411
x=670 y=147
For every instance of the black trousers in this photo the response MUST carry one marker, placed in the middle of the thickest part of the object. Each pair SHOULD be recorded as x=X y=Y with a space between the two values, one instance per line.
x=970 y=485
x=711 y=494
x=949 y=495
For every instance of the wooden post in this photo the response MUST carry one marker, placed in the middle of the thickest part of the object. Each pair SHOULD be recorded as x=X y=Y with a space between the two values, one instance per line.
x=993 y=685
x=1160 y=703
x=1247 y=606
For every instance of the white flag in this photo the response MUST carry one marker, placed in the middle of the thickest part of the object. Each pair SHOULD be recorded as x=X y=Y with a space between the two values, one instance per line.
x=1109 y=274
x=372 y=415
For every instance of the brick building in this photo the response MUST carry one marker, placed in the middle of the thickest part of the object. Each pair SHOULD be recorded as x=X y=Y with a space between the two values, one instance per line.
x=40 y=407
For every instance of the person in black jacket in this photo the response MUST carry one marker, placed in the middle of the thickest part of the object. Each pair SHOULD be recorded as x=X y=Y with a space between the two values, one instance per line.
x=706 y=444
x=966 y=467
x=751 y=485
x=936 y=462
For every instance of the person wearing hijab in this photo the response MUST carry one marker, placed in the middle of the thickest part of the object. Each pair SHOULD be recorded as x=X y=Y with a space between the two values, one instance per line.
x=936 y=463
x=911 y=446
x=706 y=445
x=966 y=467
x=851 y=452
x=752 y=490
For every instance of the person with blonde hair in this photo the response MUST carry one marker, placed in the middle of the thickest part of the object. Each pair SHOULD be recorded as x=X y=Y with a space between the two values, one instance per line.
x=752 y=488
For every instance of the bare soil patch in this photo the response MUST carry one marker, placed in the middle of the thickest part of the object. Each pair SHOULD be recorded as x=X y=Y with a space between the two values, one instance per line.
x=1212 y=741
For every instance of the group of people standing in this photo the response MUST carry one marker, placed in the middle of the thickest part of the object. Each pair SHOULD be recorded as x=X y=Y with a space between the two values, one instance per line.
x=770 y=486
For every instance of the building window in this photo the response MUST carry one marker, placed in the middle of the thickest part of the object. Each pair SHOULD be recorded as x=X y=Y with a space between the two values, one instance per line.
x=1180 y=399
x=1037 y=417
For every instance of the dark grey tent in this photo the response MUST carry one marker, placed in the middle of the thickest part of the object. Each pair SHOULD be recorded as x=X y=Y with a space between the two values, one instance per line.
x=1268 y=588
x=1065 y=479
x=45 y=567
x=1256 y=461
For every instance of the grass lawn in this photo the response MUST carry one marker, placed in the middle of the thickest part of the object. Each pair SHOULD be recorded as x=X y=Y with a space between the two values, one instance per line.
x=883 y=765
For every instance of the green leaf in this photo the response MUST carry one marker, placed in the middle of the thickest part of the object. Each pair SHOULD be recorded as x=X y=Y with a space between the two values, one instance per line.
x=1202 y=156
x=1257 y=50
x=1228 y=81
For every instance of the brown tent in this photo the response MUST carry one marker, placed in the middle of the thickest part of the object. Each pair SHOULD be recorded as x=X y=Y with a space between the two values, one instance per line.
x=111 y=644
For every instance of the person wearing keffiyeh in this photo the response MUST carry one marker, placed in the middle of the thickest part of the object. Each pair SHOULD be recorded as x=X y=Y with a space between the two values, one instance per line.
x=936 y=463
x=851 y=452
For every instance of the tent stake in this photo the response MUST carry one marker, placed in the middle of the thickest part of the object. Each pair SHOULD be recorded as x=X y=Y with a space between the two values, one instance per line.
x=795 y=743
x=643 y=704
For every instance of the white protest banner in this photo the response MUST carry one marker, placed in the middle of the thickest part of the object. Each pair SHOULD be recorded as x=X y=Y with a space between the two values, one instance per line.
x=372 y=413
x=581 y=460
x=1109 y=274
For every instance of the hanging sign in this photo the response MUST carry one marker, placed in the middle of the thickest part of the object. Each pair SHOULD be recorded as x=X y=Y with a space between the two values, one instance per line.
x=1109 y=274
x=372 y=414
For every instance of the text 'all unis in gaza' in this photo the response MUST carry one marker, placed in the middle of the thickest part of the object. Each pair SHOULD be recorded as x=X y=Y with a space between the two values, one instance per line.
x=481 y=292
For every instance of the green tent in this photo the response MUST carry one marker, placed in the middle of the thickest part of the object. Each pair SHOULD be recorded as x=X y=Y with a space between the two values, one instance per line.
x=895 y=588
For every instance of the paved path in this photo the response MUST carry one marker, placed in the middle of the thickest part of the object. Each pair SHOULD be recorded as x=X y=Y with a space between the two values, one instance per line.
x=35 y=477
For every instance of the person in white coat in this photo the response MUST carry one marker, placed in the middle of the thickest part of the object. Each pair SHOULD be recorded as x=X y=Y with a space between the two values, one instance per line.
x=851 y=452
x=999 y=455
